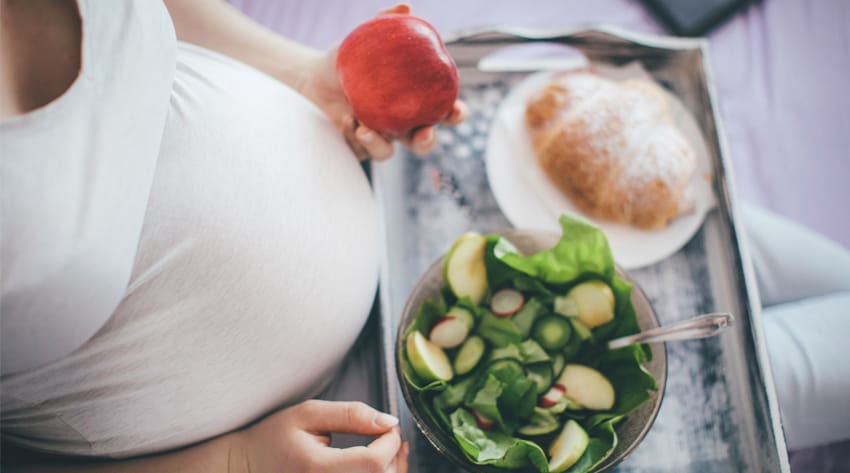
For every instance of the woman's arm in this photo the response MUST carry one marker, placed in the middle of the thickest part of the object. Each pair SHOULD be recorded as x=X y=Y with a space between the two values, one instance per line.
x=292 y=440
x=218 y=26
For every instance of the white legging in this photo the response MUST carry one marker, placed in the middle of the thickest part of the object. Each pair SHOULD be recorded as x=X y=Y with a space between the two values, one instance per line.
x=804 y=283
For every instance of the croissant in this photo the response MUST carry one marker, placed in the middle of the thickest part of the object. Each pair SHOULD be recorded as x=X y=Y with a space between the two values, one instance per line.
x=612 y=148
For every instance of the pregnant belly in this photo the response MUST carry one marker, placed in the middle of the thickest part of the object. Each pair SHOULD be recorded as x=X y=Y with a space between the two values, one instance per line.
x=260 y=238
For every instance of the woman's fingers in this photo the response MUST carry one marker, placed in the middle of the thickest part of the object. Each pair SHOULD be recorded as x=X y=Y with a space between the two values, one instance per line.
x=402 y=457
x=375 y=145
x=366 y=143
x=343 y=417
x=459 y=113
x=423 y=140
x=378 y=456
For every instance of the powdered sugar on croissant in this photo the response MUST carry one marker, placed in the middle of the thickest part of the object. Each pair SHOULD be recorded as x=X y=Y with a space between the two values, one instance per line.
x=613 y=148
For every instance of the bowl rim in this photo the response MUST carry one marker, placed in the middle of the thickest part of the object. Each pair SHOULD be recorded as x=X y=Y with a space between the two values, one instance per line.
x=452 y=451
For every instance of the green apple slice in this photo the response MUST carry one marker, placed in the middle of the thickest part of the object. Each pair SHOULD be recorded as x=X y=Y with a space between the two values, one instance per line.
x=594 y=303
x=428 y=360
x=568 y=447
x=463 y=267
x=588 y=387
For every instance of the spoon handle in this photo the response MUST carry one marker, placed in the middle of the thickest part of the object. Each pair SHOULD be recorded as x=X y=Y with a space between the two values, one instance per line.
x=701 y=326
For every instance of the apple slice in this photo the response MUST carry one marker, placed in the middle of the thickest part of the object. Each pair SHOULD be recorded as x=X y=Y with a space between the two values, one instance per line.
x=463 y=267
x=587 y=387
x=592 y=302
x=485 y=422
x=552 y=396
x=506 y=302
x=428 y=360
x=568 y=447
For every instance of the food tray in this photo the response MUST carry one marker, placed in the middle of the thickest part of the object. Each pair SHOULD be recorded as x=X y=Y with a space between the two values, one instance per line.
x=720 y=412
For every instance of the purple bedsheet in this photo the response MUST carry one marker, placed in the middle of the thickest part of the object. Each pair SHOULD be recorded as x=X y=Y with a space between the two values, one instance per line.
x=781 y=68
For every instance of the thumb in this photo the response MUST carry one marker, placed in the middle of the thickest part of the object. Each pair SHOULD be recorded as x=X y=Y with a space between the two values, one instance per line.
x=343 y=417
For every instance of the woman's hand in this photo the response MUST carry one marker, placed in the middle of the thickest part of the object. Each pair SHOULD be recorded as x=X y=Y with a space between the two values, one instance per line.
x=321 y=85
x=297 y=439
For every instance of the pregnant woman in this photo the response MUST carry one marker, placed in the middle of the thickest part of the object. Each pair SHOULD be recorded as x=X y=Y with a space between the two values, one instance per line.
x=188 y=241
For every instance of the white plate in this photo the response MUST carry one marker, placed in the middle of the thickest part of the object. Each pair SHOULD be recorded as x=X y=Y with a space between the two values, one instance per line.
x=529 y=200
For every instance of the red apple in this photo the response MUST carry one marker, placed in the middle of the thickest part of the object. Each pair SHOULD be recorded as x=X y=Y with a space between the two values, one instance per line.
x=396 y=73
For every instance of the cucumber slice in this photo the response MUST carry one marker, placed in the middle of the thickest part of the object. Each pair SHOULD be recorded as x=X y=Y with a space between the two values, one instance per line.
x=525 y=318
x=463 y=267
x=541 y=375
x=469 y=355
x=552 y=332
x=542 y=422
x=558 y=362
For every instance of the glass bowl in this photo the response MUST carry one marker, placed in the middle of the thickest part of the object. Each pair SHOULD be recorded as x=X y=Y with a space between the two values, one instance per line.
x=630 y=431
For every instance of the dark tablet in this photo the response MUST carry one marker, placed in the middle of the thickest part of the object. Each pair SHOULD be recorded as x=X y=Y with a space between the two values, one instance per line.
x=693 y=17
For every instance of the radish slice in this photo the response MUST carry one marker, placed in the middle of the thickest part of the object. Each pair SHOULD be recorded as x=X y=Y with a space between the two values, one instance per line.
x=506 y=302
x=552 y=396
x=449 y=332
x=485 y=422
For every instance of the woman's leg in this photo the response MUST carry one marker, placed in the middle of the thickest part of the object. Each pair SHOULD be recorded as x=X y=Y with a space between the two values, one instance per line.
x=810 y=354
x=793 y=262
x=804 y=282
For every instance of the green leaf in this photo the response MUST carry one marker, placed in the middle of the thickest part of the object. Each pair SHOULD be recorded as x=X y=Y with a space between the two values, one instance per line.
x=583 y=249
x=530 y=312
x=452 y=398
x=498 y=331
x=429 y=314
x=495 y=448
x=486 y=399
x=533 y=353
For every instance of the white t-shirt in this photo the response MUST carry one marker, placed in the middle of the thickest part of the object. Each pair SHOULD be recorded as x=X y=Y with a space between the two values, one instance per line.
x=252 y=274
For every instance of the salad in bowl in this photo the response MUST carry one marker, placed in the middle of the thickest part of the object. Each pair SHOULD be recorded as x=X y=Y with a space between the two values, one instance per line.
x=503 y=359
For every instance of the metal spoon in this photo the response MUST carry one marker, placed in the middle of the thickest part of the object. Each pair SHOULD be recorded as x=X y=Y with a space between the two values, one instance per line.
x=701 y=326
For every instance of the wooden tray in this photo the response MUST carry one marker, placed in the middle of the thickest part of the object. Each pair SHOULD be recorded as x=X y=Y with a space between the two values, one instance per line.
x=720 y=412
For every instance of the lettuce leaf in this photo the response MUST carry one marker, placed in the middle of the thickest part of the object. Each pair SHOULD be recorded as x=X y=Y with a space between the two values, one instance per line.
x=583 y=250
x=495 y=448
x=499 y=331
